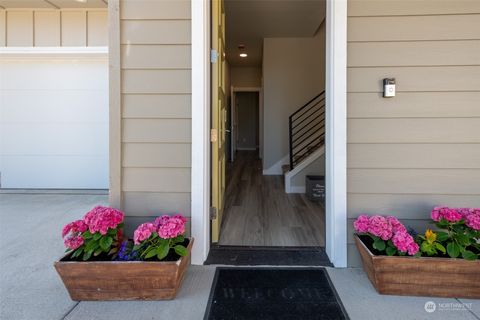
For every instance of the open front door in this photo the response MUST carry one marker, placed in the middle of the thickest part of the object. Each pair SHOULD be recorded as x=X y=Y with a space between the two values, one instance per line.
x=219 y=114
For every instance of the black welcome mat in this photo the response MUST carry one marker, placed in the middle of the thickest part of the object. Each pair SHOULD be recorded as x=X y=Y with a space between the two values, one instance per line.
x=272 y=256
x=273 y=293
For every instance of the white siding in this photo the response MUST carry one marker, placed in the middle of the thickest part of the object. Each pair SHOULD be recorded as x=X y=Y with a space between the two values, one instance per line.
x=53 y=28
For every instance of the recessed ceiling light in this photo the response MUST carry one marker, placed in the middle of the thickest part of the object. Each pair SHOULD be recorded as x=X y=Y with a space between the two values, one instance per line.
x=82 y=1
x=243 y=55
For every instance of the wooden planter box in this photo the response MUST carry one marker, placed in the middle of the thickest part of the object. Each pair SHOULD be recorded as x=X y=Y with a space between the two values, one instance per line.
x=123 y=280
x=424 y=276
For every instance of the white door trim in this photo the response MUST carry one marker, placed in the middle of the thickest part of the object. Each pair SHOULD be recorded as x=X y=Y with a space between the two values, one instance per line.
x=336 y=126
x=200 y=176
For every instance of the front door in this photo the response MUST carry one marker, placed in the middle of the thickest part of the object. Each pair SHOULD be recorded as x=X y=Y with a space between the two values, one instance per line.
x=219 y=114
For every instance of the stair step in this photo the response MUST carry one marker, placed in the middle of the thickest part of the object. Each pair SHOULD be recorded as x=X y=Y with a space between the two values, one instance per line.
x=285 y=168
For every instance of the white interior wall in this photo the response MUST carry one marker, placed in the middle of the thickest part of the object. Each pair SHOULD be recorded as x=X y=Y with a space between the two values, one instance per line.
x=246 y=76
x=293 y=73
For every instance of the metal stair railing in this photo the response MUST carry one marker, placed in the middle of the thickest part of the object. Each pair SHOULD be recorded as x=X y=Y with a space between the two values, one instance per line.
x=306 y=129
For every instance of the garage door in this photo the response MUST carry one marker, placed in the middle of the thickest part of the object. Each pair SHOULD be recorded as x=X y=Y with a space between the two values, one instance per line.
x=54 y=123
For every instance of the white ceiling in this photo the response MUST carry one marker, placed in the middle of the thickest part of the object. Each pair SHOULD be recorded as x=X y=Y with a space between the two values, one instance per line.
x=249 y=21
x=52 y=4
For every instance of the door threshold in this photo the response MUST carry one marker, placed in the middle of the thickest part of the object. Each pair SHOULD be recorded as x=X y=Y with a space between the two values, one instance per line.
x=267 y=256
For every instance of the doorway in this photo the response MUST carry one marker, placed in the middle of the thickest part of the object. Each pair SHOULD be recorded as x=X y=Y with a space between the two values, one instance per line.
x=245 y=121
x=252 y=204
x=335 y=87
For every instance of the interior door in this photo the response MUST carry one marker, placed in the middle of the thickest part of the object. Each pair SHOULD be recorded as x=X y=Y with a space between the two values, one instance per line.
x=219 y=115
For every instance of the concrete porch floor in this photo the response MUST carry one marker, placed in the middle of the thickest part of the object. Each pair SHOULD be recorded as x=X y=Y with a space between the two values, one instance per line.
x=30 y=288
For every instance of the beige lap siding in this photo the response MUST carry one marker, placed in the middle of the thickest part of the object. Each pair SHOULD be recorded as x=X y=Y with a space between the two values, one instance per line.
x=156 y=108
x=422 y=147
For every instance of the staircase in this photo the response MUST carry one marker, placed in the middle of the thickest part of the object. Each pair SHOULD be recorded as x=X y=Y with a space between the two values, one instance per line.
x=306 y=128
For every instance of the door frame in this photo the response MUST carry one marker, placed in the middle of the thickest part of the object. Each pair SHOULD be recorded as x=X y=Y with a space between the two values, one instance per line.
x=336 y=127
x=233 y=91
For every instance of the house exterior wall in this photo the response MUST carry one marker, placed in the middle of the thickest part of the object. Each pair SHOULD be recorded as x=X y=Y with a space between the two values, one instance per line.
x=421 y=148
x=53 y=28
x=155 y=90
x=405 y=154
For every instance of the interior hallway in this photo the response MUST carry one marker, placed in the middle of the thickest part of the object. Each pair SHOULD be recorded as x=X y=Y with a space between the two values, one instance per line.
x=258 y=212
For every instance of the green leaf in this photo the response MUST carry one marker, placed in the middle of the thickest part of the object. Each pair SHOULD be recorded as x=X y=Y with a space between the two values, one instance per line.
x=151 y=252
x=97 y=252
x=86 y=235
x=179 y=239
x=379 y=244
x=390 y=251
x=97 y=236
x=87 y=255
x=424 y=246
x=453 y=250
x=162 y=250
x=76 y=253
x=442 y=224
x=91 y=245
x=442 y=236
x=105 y=243
x=469 y=255
x=440 y=247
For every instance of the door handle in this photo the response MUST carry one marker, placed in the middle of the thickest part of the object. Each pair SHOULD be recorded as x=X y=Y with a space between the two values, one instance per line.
x=227 y=130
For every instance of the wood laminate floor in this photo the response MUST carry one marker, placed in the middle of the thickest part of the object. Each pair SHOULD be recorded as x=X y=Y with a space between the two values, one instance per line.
x=258 y=212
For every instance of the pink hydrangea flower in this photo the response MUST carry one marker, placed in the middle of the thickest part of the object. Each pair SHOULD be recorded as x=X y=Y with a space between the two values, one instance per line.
x=143 y=232
x=179 y=216
x=397 y=226
x=73 y=242
x=472 y=218
x=161 y=220
x=404 y=242
x=451 y=215
x=172 y=228
x=436 y=214
x=77 y=226
x=379 y=226
x=361 y=224
x=413 y=248
x=100 y=219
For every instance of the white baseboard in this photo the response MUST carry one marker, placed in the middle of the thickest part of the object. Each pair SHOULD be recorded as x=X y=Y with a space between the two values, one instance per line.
x=296 y=189
x=292 y=173
x=276 y=169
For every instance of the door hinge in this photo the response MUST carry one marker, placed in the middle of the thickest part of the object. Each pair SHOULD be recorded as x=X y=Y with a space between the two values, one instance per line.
x=213 y=135
x=213 y=56
x=213 y=213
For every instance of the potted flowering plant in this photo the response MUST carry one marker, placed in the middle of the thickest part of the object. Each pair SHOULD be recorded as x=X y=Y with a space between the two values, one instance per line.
x=157 y=239
x=98 y=233
x=100 y=265
x=402 y=263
